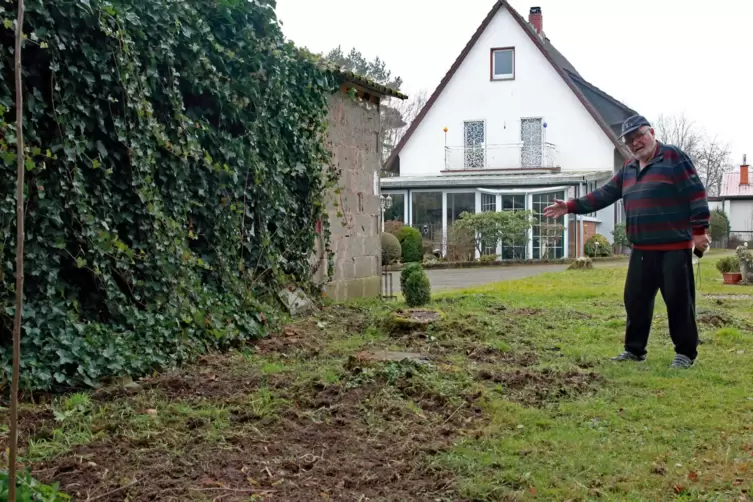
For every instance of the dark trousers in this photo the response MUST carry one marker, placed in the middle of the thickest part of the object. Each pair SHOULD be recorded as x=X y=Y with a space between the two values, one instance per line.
x=670 y=272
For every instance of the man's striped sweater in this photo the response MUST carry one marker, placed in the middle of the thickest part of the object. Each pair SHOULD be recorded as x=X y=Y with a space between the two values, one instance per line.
x=665 y=202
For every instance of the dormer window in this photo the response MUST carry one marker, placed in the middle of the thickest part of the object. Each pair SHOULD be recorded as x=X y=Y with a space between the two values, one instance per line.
x=503 y=64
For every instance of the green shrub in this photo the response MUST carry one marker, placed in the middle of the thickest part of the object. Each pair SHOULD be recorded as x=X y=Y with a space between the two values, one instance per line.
x=409 y=270
x=728 y=265
x=417 y=290
x=411 y=243
x=719 y=226
x=176 y=171
x=620 y=236
x=603 y=249
x=29 y=489
x=391 y=250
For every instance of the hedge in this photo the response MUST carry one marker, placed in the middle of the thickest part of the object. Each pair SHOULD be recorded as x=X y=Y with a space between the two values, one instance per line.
x=176 y=155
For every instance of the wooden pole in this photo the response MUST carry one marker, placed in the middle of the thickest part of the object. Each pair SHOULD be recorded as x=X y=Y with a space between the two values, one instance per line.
x=13 y=454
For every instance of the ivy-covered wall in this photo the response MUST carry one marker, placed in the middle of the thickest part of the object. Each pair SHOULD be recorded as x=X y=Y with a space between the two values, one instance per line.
x=176 y=169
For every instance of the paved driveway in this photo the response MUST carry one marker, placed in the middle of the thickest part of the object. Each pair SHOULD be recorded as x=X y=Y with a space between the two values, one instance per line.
x=460 y=278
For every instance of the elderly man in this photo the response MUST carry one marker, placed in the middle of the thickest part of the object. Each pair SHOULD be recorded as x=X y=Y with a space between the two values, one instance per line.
x=667 y=216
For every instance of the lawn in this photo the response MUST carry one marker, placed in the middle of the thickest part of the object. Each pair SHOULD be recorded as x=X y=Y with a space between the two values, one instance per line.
x=518 y=401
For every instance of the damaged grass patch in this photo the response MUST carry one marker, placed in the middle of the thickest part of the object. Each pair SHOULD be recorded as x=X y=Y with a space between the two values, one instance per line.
x=277 y=423
x=541 y=388
x=510 y=395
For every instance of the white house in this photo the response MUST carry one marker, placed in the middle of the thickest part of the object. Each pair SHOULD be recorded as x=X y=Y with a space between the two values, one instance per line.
x=512 y=125
x=736 y=200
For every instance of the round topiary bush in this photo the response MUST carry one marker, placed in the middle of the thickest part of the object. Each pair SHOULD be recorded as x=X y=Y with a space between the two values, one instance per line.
x=417 y=290
x=391 y=249
x=604 y=248
x=409 y=270
x=411 y=243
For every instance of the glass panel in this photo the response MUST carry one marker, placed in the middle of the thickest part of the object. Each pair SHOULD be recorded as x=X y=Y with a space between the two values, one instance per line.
x=548 y=233
x=397 y=211
x=503 y=62
x=427 y=218
x=460 y=245
x=531 y=135
x=516 y=248
x=474 y=134
x=488 y=202
x=513 y=202
x=458 y=203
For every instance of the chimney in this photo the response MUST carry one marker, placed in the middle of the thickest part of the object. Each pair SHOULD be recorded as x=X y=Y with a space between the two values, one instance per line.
x=536 y=19
x=744 y=172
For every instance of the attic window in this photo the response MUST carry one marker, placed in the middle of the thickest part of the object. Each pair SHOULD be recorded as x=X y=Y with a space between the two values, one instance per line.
x=503 y=63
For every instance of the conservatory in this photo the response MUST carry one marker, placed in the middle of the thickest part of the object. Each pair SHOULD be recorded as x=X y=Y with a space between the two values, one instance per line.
x=433 y=204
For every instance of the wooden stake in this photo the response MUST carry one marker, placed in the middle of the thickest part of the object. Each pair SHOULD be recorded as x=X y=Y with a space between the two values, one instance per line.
x=13 y=454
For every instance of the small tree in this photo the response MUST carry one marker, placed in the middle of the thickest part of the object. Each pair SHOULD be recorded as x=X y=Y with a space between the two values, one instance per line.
x=495 y=227
x=620 y=236
x=411 y=243
x=550 y=232
x=719 y=226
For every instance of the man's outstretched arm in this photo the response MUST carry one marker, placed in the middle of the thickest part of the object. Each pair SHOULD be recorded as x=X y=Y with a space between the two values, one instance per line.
x=600 y=198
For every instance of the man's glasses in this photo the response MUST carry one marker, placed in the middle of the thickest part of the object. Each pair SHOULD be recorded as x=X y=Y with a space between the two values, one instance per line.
x=629 y=139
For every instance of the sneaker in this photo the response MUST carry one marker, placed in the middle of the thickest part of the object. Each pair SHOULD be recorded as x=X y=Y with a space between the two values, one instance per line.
x=682 y=361
x=629 y=356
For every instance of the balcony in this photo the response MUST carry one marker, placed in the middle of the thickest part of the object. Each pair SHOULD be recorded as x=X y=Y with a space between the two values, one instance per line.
x=501 y=157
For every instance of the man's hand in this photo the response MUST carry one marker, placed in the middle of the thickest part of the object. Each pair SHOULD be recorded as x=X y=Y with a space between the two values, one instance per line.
x=702 y=242
x=559 y=208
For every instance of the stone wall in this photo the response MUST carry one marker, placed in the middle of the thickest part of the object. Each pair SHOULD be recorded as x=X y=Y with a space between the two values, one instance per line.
x=354 y=210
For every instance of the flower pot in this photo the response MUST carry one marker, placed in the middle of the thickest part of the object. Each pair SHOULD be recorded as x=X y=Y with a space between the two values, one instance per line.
x=732 y=277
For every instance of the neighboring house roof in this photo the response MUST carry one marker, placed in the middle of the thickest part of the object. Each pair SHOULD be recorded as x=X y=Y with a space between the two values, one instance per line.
x=731 y=187
x=477 y=180
x=606 y=111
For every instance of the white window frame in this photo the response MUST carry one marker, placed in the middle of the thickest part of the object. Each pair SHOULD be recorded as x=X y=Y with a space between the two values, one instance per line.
x=493 y=64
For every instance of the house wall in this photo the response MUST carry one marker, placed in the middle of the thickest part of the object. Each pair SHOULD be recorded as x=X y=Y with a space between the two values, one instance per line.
x=354 y=211
x=536 y=91
x=740 y=213
x=605 y=224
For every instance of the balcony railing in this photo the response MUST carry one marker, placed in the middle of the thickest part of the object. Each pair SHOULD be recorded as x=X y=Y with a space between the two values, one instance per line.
x=508 y=156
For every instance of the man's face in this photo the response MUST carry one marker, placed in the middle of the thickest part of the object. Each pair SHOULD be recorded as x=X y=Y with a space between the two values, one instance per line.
x=641 y=143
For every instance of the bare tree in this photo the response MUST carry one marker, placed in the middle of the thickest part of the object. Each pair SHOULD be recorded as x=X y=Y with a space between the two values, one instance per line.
x=712 y=161
x=679 y=131
x=397 y=115
x=710 y=156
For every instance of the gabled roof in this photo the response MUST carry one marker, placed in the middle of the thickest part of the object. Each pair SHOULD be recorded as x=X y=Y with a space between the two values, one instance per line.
x=606 y=111
x=731 y=186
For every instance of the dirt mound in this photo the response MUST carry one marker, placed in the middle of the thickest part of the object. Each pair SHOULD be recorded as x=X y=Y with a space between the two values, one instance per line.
x=539 y=388
x=494 y=355
x=364 y=438
x=714 y=319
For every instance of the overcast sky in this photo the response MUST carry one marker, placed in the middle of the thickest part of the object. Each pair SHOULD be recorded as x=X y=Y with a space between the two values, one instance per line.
x=657 y=56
